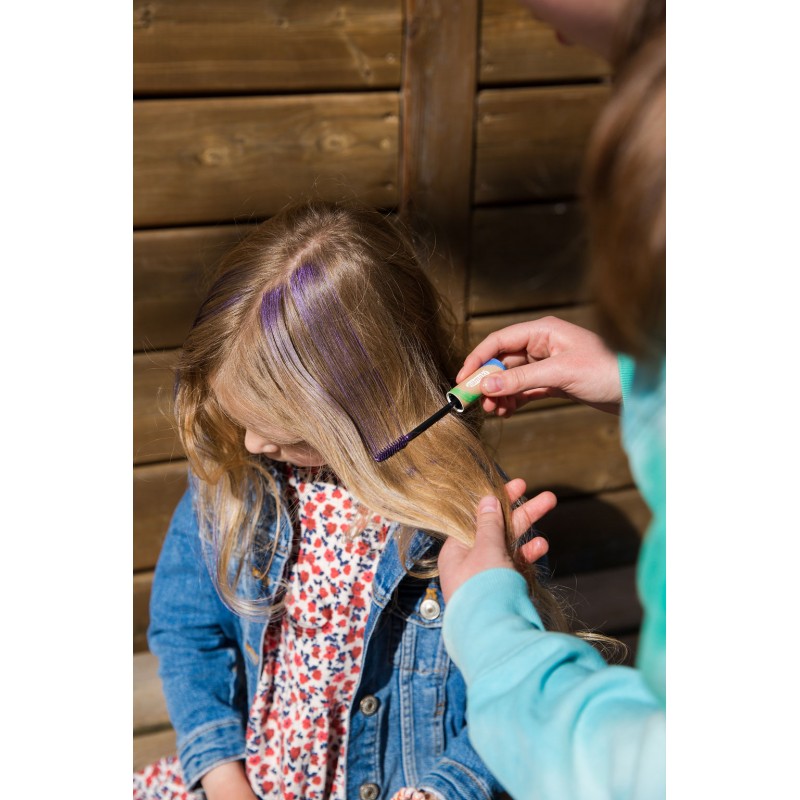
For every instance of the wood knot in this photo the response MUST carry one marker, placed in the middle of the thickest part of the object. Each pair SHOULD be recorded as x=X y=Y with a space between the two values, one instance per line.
x=143 y=16
x=334 y=142
x=214 y=156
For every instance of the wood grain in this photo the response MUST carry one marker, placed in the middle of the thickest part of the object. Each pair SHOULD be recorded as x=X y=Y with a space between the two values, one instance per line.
x=526 y=257
x=149 y=706
x=142 y=583
x=154 y=434
x=157 y=488
x=516 y=48
x=481 y=327
x=531 y=142
x=215 y=160
x=219 y=46
x=149 y=747
x=570 y=450
x=169 y=275
x=438 y=135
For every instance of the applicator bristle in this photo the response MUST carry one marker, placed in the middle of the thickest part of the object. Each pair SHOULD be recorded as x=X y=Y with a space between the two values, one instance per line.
x=392 y=449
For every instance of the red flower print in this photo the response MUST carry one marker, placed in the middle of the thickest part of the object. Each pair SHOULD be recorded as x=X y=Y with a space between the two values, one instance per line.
x=330 y=576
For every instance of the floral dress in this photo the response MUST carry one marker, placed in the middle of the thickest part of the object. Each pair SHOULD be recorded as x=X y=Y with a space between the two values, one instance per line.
x=296 y=739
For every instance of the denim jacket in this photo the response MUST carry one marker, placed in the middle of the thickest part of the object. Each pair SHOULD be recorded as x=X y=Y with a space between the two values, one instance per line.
x=210 y=661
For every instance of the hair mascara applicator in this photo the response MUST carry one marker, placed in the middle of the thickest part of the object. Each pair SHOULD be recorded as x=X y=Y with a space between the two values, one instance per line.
x=458 y=398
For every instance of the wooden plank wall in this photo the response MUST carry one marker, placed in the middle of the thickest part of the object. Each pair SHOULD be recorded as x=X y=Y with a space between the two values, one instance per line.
x=473 y=125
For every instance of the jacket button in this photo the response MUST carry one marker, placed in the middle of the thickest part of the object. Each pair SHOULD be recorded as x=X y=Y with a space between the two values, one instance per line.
x=369 y=705
x=369 y=791
x=430 y=609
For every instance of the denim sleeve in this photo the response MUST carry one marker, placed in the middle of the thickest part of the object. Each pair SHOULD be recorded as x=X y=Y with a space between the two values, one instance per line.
x=460 y=774
x=194 y=637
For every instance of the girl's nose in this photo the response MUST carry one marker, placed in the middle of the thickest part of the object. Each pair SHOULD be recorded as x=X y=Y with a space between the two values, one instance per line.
x=255 y=444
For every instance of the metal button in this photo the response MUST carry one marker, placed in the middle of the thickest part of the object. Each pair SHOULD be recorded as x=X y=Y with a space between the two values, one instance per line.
x=369 y=791
x=369 y=705
x=430 y=609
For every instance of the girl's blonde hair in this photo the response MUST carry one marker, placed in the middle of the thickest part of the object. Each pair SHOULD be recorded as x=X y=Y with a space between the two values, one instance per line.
x=323 y=323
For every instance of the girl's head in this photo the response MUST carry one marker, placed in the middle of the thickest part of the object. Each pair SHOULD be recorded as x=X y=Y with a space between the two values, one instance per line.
x=321 y=342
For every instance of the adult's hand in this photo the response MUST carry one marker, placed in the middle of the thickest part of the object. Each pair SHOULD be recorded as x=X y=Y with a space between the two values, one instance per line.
x=458 y=563
x=547 y=357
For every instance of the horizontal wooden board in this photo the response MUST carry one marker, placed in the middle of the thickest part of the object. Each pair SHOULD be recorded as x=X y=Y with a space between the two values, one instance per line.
x=525 y=257
x=142 y=582
x=219 y=46
x=169 y=277
x=149 y=706
x=157 y=488
x=569 y=450
x=516 y=48
x=598 y=531
x=154 y=434
x=149 y=747
x=213 y=160
x=531 y=142
x=480 y=327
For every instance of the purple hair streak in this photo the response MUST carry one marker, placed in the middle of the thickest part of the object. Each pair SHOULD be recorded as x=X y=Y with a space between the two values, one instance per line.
x=325 y=350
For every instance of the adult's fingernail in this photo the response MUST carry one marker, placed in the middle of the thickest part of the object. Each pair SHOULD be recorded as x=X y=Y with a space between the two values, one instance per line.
x=488 y=504
x=492 y=384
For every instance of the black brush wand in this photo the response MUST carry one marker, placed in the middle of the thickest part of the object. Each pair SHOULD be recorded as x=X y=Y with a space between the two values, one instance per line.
x=458 y=398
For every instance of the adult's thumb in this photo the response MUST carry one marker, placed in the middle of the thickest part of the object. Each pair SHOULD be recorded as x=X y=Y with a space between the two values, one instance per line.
x=516 y=379
x=490 y=533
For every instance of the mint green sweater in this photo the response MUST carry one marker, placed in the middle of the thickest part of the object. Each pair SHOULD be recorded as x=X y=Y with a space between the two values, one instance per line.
x=549 y=717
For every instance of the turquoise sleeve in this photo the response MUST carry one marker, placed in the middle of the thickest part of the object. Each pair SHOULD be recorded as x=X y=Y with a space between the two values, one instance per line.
x=627 y=367
x=546 y=713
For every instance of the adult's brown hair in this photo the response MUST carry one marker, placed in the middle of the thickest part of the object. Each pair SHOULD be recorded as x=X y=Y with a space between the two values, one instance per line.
x=625 y=190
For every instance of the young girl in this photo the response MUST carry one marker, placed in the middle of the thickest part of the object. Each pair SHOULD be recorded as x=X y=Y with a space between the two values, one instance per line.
x=295 y=610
